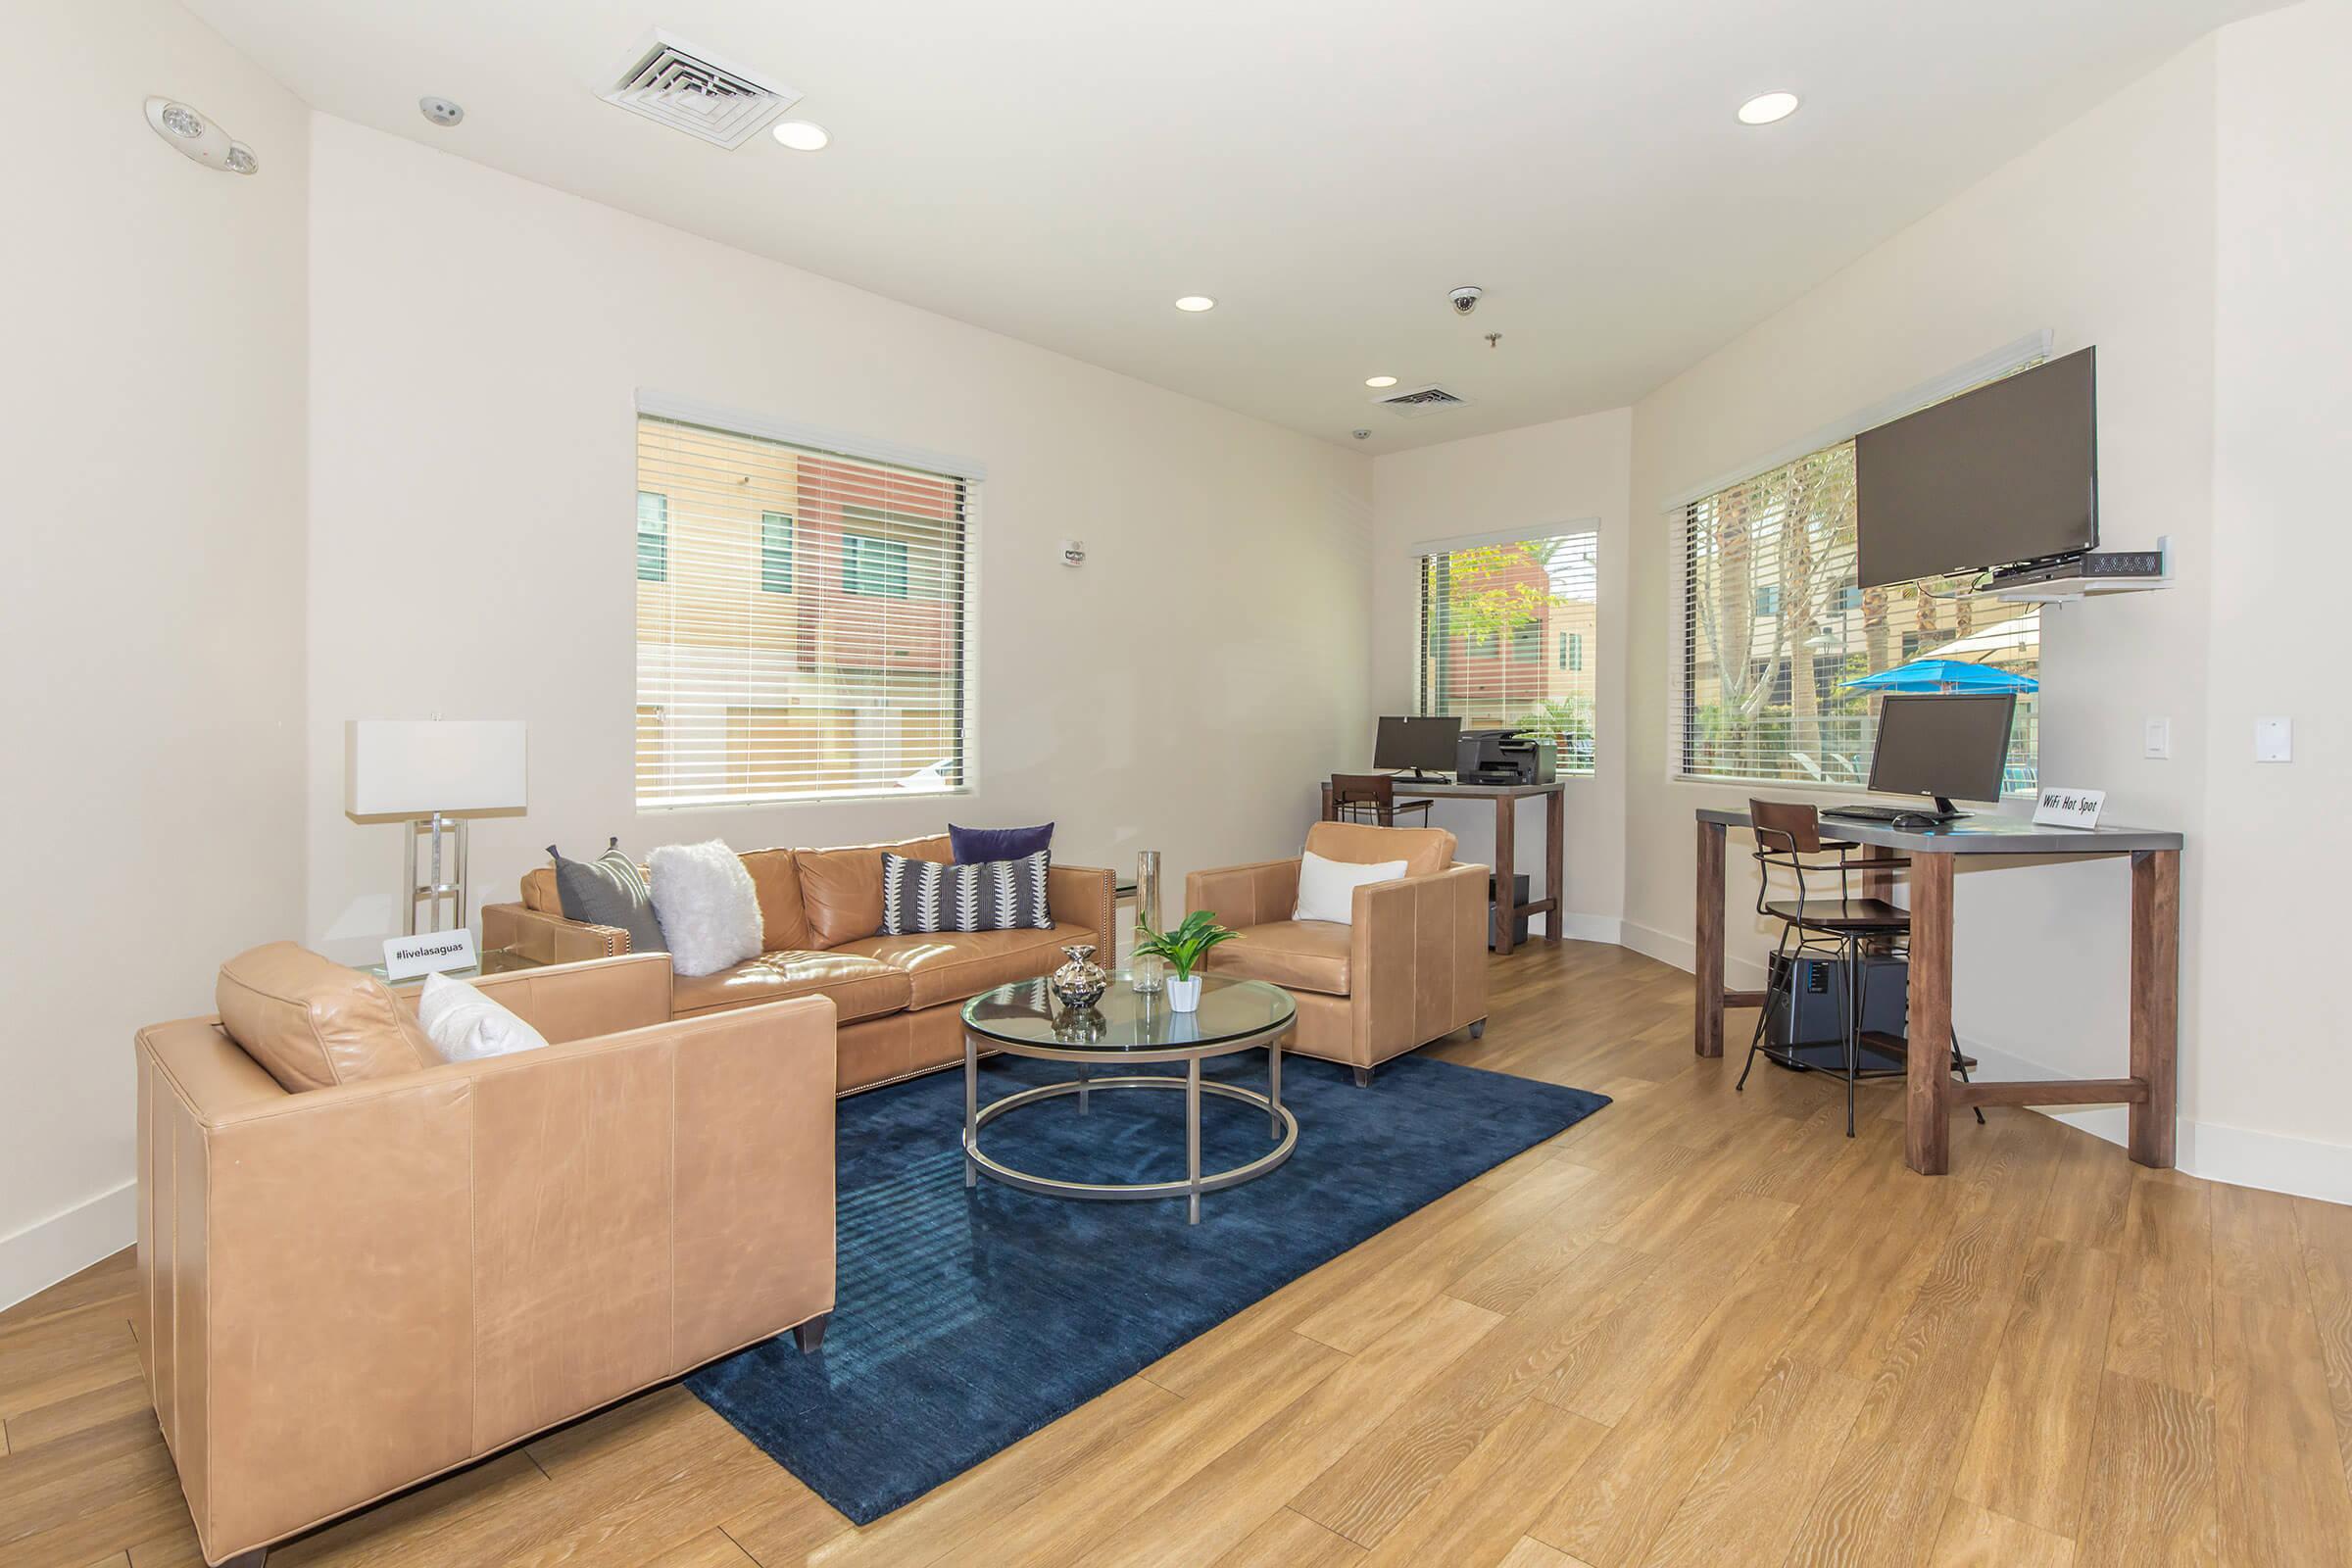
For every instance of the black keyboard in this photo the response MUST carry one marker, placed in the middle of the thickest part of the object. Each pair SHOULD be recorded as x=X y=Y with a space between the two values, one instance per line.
x=1889 y=814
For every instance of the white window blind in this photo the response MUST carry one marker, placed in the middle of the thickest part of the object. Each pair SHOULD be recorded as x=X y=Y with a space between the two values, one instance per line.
x=804 y=636
x=1773 y=623
x=1507 y=638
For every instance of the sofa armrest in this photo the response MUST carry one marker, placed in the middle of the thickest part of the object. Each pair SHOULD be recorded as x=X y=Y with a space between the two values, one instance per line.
x=455 y=1259
x=580 y=1001
x=1417 y=960
x=549 y=938
x=1087 y=896
x=1239 y=896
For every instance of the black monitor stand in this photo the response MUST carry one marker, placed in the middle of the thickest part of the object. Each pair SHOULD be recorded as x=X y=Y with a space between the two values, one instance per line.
x=1947 y=810
x=1416 y=777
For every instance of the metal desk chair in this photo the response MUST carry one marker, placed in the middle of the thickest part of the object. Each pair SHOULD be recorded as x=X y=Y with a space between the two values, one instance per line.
x=1821 y=924
x=1371 y=798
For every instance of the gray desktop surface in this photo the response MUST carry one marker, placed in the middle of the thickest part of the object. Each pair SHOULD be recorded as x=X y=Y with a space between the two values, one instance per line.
x=1979 y=835
x=1451 y=790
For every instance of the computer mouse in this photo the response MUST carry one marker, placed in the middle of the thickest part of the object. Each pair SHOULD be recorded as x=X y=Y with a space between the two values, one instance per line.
x=1914 y=821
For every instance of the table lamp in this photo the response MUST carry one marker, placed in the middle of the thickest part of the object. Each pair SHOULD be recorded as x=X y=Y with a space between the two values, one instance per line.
x=432 y=772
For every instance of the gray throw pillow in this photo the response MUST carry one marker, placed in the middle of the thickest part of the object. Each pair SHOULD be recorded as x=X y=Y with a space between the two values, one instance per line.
x=924 y=895
x=610 y=890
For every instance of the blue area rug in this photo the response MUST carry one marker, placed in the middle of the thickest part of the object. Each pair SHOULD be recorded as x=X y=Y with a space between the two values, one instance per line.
x=966 y=1320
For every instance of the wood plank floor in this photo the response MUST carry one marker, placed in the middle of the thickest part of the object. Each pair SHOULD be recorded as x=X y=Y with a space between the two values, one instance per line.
x=1699 y=1327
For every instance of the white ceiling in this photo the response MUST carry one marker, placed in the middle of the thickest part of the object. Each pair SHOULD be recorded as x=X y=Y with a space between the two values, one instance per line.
x=1059 y=170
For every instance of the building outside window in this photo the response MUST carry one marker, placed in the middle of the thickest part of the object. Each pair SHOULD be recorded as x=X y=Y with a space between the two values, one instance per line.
x=802 y=620
x=1487 y=613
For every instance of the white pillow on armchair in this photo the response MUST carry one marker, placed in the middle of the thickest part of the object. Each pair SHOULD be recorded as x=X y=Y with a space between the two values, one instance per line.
x=1327 y=887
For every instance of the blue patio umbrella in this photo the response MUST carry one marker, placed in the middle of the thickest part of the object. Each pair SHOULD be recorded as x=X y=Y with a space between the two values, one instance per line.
x=1942 y=676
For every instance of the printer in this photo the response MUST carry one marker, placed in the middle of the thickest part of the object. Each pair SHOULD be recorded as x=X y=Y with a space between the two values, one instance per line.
x=1503 y=757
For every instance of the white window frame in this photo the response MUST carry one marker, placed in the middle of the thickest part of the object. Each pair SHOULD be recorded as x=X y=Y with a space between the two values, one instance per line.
x=2025 y=351
x=655 y=403
x=1415 y=552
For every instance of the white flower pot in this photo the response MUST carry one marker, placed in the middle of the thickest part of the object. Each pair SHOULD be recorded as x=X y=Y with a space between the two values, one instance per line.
x=1184 y=994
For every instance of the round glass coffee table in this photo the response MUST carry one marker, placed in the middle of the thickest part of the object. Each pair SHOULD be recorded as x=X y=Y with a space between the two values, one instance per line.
x=1125 y=1029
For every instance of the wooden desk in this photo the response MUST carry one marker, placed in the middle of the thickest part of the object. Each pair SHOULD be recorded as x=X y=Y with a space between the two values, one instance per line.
x=1931 y=1094
x=1506 y=799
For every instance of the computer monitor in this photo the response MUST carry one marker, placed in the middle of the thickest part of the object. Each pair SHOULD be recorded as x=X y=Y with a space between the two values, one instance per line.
x=1950 y=747
x=1423 y=746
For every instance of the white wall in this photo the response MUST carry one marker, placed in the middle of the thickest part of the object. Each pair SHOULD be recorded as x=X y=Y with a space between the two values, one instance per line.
x=2276 y=858
x=478 y=343
x=1573 y=473
x=151 y=428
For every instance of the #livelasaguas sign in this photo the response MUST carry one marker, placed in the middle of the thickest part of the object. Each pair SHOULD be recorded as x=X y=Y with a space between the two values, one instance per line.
x=2065 y=808
x=434 y=953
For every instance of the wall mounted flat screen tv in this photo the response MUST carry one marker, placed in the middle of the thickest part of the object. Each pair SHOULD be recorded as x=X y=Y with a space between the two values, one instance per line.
x=2003 y=475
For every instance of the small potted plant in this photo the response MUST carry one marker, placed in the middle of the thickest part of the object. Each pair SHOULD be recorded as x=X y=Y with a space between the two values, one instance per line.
x=1184 y=947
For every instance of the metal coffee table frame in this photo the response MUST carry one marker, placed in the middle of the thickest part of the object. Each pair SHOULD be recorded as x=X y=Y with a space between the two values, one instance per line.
x=1284 y=1125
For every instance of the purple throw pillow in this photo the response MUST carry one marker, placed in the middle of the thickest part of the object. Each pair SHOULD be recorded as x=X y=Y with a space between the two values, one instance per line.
x=976 y=846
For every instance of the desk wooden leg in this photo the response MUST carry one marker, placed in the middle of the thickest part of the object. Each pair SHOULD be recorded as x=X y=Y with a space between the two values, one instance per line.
x=1878 y=885
x=1928 y=1091
x=1555 y=822
x=1706 y=1023
x=2155 y=1001
x=1506 y=900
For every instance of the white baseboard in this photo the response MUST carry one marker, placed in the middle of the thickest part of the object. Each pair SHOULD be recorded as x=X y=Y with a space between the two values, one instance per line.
x=2275 y=1163
x=2240 y=1156
x=1576 y=928
x=63 y=1245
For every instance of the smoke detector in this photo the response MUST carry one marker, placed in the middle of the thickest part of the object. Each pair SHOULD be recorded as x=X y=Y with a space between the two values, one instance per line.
x=686 y=87
x=1415 y=401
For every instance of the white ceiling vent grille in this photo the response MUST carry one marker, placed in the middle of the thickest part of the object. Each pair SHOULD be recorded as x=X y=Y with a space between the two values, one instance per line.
x=688 y=88
x=1414 y=402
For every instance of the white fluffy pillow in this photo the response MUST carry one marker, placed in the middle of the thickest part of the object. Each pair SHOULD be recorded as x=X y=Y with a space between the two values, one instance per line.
x=465 y=1025
x=1327 y=887
x=707 y=905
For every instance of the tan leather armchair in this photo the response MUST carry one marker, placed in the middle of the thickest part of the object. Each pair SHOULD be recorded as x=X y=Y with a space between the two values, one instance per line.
x=350 y=1289
x=1410 y=968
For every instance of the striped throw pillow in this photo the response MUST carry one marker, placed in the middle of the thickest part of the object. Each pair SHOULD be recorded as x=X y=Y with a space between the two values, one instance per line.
x=920 y=895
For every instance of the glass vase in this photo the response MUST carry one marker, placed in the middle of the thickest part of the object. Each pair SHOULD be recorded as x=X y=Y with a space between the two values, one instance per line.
x=1147 y=973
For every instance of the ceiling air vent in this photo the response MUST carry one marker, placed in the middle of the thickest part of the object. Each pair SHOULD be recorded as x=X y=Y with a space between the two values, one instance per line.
x=687 y=89
x=1414 y=402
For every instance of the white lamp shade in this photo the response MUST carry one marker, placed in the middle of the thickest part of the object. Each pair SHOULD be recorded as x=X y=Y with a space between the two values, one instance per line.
x=399 y=767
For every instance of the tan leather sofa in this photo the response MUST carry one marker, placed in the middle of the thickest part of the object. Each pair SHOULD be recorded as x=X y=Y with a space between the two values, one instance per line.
x=899 y=997
x=1411 y=968
x=347 y=1289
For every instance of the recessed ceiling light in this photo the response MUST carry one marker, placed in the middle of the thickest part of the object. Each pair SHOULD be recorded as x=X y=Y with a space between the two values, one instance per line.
x=1767 y=107
x=1380 y=380
x=1196 y=302
x=800 y=135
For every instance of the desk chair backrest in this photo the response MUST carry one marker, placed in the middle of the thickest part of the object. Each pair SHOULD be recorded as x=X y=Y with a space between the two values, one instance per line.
x=1352 y=795
x=1785 y=833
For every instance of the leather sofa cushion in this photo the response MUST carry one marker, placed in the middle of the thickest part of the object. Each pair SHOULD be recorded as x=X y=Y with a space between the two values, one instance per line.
x=311 y=1022
x=1296 y=954
x=1425 y=850
x=860 y=987
x=776 y=878
x=950 y=965
x=539 y=891
x=842 y=889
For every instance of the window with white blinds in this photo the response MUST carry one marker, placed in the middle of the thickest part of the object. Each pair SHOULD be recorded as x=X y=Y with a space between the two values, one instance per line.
x=1507 y=638
x=801 y=621
x=1773 y=625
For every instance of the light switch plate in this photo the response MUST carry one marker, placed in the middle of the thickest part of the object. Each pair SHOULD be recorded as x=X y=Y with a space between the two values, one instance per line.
x=2159 y=738
x=2273 y=740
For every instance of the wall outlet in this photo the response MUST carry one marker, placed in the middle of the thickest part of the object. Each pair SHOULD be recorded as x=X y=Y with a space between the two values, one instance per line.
x=2273 y=740
x=1073 y=552
x=2159 y=742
